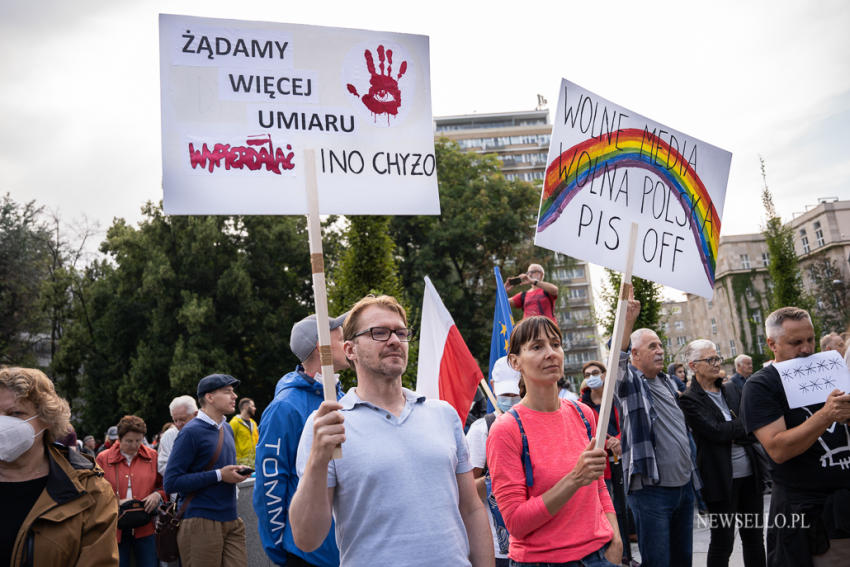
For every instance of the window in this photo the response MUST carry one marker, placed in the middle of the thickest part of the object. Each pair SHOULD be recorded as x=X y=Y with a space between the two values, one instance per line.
x=804 y=241
x=713 y=326
x=733 y=349
x=680 y=341
x=578 y=293
x=745 y=261
x=818 y=234
x=677 y=309
x=760 y=343
x=666 y=326
x=749 y=292
x=710 y=303
x=757 y=316
x=765 y=259
x=680 y=325
x=668 y=342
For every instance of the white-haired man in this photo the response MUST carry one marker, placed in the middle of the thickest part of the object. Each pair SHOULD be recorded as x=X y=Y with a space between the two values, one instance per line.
x=743 y=370
x=810 y=447
x=539 y=299
x=182 y=409
x=658 y=471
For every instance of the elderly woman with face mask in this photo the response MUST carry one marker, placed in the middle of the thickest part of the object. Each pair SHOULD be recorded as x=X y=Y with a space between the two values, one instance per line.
x=725 y=457
x=57 y=508
x=546 y=473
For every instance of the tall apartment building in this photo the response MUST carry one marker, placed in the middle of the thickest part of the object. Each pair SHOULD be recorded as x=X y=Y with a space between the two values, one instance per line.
x=521 y=140
x=734 y=317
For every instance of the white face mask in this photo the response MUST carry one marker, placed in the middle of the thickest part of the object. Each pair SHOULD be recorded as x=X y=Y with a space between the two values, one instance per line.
x=16 y=437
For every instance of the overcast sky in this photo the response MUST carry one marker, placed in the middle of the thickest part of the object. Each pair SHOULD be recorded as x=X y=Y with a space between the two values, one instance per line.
x=80 y=98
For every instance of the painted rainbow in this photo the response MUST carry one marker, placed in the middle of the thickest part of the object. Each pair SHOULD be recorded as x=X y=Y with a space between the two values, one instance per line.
x=633 y=148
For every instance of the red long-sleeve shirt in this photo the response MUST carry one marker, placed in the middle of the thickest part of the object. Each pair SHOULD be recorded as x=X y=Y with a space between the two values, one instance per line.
x=555 y=441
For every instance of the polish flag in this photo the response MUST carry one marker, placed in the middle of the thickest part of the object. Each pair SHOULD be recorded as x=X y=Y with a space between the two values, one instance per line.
x=447 y=369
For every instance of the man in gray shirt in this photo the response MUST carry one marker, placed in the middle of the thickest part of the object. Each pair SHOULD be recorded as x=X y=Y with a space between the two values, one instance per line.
x=657 y=463
x=403 y=491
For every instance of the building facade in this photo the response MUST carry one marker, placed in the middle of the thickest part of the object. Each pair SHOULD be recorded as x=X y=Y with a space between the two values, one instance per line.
x=521 y=141
x=734 y=317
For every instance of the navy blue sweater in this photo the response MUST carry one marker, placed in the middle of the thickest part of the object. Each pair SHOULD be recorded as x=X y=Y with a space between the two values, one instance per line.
x=194 y=447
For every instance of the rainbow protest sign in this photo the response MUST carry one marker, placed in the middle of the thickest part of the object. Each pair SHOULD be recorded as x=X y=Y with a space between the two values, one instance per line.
x=609 y=166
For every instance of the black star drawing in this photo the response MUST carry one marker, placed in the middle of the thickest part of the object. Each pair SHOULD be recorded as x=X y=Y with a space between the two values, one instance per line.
x=798 y=372
x=810 y=368
x=816 y=385
x=786 y=375
x=833 y=364
x=821 y=365
x=804 y=387
x=829 y=381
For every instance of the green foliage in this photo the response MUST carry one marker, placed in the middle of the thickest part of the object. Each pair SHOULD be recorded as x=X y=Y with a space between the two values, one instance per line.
x=24 y=267
x=368 y=265
x=486 y=220
x=741 y=283
x=181 y=297
x=783 y=268
x=647 y=292
x=832 y=309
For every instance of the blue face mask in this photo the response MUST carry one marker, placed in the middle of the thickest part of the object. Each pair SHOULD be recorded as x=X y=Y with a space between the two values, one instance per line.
x=594 y=382
x=507 y=402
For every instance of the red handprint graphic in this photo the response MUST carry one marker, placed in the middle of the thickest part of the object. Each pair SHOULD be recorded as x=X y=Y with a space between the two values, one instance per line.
x=384 y=96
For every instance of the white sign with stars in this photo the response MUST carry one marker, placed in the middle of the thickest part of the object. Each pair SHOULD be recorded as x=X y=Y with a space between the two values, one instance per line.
x=808 y=381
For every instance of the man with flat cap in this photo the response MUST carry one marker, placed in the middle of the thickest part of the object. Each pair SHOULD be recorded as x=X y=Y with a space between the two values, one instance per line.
x=297 y=395
x=202 y=469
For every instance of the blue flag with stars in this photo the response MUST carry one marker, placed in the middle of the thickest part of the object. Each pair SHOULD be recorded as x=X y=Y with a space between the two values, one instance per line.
x=503 y=324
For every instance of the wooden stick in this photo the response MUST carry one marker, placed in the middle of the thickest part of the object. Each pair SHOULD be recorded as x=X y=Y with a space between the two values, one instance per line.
x=320 y=292
x=485 y=387
x=616 y=343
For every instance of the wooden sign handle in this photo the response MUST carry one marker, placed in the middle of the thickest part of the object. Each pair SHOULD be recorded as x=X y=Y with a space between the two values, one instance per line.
x=616 y=343
x=320 y=291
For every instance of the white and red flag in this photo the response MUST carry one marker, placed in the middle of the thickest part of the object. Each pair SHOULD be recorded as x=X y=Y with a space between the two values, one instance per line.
x=447 y=369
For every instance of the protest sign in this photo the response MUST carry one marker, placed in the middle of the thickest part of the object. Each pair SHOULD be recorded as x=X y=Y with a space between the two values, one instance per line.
x=608 y=167
x=242 y=101
x=809 y=380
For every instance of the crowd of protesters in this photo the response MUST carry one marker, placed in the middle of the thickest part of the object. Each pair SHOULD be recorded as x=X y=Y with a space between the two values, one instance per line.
x=524 y=486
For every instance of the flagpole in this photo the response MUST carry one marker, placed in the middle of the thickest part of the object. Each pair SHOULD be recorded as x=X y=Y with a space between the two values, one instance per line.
x=485 y=387
x=616 y=343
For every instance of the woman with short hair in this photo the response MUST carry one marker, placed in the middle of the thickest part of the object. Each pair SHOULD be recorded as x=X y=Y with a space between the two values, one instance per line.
x=57 y=508
x=546 y=473
x=130 y=467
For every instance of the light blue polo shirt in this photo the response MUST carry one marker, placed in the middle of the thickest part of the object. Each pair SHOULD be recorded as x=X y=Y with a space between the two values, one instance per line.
x=396 y=496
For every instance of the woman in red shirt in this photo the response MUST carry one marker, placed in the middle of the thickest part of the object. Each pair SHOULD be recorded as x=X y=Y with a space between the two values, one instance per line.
x=130 y=467
x=546 y=475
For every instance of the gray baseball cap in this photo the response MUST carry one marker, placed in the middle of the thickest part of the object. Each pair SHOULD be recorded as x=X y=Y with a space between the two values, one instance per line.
x=304 y=336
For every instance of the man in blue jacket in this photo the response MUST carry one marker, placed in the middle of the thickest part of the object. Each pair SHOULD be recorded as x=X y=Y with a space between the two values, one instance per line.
x=297 y=395
x=211 y=533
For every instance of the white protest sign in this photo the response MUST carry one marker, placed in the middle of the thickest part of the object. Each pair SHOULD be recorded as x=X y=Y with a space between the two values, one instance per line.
x=242 y=101
x=809 y=380
x=609 y=167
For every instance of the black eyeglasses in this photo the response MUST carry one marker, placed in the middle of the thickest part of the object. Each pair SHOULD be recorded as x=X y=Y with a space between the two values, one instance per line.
x=382 y=334
x=713 y=360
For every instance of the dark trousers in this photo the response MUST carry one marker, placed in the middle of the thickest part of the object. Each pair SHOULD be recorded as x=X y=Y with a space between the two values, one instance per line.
x=745 y=499
x=618 y=496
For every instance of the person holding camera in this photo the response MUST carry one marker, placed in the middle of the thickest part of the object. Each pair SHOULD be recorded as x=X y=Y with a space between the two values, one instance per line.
x=537 y=300
x=130 y=467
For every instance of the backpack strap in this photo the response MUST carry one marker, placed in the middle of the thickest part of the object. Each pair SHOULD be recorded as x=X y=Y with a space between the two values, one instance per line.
x=207 y=468
x=584 y=419
x=522 y=299
x=489 y=419
x=526 y=457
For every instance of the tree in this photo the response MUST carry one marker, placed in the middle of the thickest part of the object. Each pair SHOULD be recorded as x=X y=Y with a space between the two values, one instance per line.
x=784 y=272
x=832 y=308
x=646 y=291
x=24 y=265
x=485 y=220
x=179 y=298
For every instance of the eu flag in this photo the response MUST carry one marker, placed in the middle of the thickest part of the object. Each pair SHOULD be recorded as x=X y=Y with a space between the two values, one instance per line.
x=503 y=324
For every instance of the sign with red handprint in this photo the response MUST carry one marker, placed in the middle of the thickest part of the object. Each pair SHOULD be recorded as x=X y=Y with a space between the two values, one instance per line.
x=242 y=101
x=381 y=83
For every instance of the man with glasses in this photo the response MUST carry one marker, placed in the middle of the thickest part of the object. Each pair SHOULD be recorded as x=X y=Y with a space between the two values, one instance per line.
x=658 y=472
x=297 y=395
x=403 y=492
x=539 y=299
